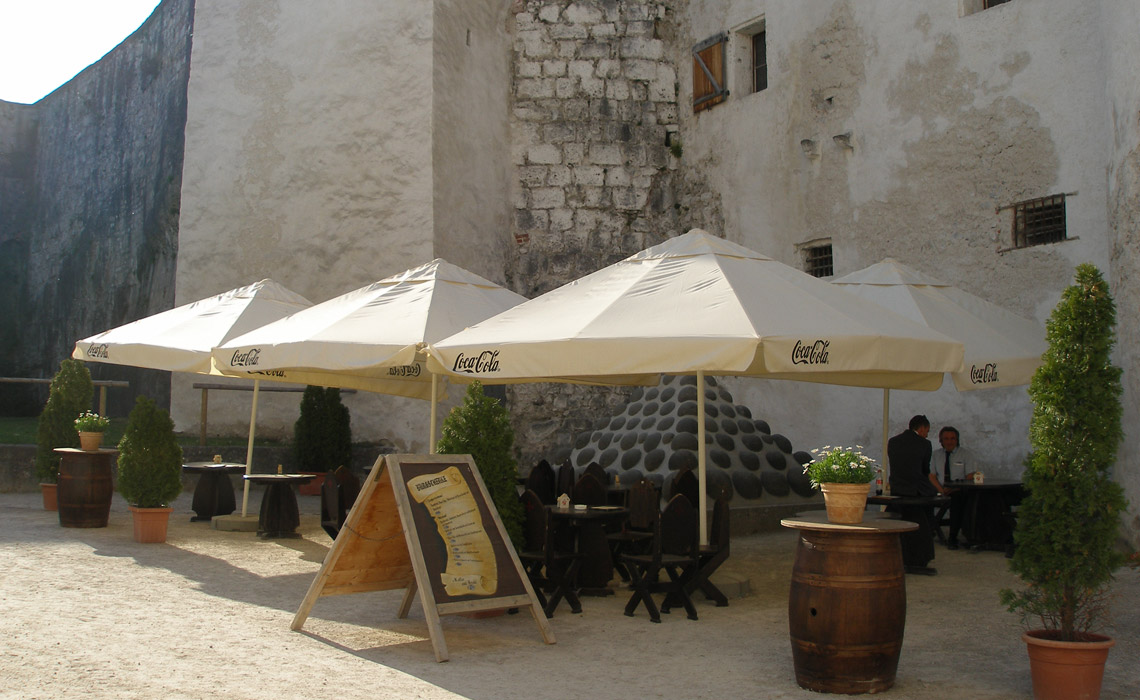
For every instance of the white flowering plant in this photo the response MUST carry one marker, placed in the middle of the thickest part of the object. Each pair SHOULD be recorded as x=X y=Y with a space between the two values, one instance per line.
x=91 y=422
x=840 y=465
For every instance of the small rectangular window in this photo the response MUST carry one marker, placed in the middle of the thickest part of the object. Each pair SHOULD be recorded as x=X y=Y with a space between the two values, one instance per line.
x=817 y=260
x=759 y=61
x=1039 y=221
x=993 y=3
x=709 y=87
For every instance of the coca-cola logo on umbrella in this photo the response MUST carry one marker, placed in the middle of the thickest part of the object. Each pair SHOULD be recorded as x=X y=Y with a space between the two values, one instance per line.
x=486 y=361
x=810 y=354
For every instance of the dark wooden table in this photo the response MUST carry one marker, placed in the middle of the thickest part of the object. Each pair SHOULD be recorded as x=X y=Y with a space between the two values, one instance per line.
x=847 y=605
x=279 y=516
x=214 y=494
x=987 y=521
x=938 y=504
x=597 y=568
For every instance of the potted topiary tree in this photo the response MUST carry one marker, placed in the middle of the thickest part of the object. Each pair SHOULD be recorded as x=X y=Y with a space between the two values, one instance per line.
x=481 y=427
x=322 y=435
x=70 y=394
x=1067 y=524
x=150 y=469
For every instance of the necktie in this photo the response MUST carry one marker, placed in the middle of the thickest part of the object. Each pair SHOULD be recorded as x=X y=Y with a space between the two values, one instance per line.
x=947 y=469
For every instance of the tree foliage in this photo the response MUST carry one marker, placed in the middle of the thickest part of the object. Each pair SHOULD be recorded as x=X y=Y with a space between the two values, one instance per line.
x=481 y=427
x=70 y=394
x=150 y=460
x=1068 y=522
x=322 y=435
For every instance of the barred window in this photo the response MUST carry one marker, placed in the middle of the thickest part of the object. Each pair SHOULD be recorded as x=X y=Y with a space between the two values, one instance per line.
x=1039 y=221
x=817 y=260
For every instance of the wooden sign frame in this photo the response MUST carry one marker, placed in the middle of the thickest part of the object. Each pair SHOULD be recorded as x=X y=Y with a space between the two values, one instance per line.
x=454 y=551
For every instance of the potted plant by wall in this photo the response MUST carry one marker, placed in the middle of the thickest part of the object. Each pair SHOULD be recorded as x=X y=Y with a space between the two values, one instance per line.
x=844 y=476
x=1067 y=524
x=70 y=394
x=481 y=427
x=91 y=426
x=150 y=469
x=322 y=435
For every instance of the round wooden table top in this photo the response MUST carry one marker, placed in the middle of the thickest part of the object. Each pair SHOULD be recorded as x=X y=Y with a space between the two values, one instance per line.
x=872 y=522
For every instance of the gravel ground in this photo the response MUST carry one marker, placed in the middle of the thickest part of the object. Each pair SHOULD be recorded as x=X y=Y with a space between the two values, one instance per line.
x=89 y=613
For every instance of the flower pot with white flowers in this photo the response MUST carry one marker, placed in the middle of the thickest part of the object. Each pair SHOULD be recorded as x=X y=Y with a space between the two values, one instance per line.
x=91 y=426
x=844 y=476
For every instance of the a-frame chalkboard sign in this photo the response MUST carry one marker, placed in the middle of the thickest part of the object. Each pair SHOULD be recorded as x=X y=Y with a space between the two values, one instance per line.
x=425 y=523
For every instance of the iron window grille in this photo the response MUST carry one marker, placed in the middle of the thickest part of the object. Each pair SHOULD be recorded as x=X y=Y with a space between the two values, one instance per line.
x=818 y=261
x=1039 y=221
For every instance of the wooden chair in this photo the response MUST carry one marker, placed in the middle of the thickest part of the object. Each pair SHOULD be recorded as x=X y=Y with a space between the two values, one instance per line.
x=550 y=570
x=588 y=491
x=710 y=557
x=541 y=480
x=338 y=493
x=637 y=530
x=595 y=470
x=686 y=484
x=564 y=484
x=674 y=550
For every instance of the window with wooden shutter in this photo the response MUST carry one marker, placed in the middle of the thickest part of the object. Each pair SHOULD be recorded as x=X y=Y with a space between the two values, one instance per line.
x=709 y=87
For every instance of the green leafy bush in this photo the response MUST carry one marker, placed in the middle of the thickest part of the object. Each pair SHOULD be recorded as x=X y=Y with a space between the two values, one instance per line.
x=322 y=435
x=91 y=422
x=1067 y=524
x=150 y=460
x=839 y=465
x=70 y=394
x=481 y=427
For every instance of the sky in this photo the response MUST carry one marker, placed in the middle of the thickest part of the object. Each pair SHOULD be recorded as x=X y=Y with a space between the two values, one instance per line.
x=45 y=43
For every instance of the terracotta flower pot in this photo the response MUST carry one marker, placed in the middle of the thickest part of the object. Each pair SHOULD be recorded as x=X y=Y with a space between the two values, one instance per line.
x=1066 y=670
x=89 y=442
x=51 y=501
x=845 y=502
x=150 y=523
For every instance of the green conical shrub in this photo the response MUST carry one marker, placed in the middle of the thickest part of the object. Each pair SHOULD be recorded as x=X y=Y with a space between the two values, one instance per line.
x=481 y=427
x=322 y=435
x=70 y=394
x=1067 y=524
x=150 y=460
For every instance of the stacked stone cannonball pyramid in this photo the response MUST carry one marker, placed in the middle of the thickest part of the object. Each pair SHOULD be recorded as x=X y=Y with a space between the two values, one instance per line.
x=655 y=436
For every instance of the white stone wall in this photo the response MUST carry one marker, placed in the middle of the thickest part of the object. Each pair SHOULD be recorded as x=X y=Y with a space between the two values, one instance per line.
x=950 y=117
x=308 y=161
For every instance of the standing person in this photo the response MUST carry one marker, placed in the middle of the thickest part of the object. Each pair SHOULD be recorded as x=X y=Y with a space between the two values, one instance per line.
x=952 y=462
x=908 y=455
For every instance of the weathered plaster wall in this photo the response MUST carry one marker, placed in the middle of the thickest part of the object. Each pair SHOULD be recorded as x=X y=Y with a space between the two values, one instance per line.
x=308 y=161
x=471 y=136
x=949 y=118
x=1121 y=26
x=92 y=238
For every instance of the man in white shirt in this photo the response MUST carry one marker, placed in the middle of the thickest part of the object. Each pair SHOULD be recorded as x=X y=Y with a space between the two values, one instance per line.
x=950 y=463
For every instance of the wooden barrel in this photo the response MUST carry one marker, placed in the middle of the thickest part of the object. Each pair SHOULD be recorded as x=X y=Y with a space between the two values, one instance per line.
x=85 y=487
x=847 y=610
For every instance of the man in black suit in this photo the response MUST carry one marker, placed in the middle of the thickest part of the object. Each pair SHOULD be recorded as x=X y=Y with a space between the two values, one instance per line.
x=908 y=455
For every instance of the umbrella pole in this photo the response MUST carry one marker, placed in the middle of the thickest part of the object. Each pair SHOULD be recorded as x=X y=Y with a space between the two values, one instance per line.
x=434 y=402
x=703 y=487
x=249 y=447
x=886 y=429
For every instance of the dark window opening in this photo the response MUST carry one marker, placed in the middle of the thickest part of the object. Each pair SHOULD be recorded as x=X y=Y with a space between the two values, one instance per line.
x=817 y=261
x=759 y=61
x=987 y=4
x=1039 y=221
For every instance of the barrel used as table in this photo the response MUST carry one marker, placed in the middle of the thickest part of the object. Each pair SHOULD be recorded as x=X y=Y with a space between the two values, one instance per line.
x=85 y=486
x=847 y=604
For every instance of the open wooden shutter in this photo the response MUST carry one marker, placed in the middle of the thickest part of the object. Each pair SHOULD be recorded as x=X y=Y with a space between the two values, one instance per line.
x=709 y=86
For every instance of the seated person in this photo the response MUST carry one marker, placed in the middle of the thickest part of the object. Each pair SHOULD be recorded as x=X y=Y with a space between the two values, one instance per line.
x=908 y=455
x=953 y=463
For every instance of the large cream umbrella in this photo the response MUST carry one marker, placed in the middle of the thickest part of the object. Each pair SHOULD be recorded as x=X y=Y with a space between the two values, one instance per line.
x=1002 y=349
x=180 y=339
x=371 y=338
x=699 y=304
